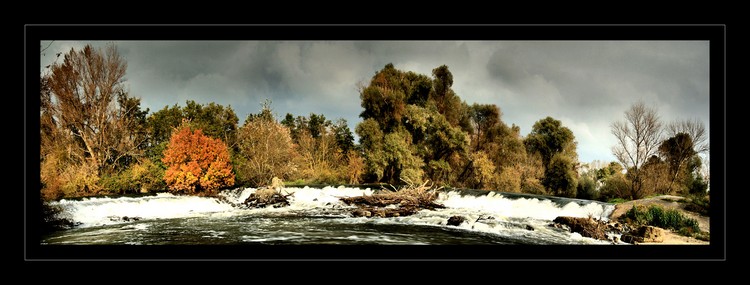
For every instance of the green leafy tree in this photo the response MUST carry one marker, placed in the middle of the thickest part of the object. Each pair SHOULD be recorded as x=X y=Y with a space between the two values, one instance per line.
x=556 y=145
x=383 y=100
x=560 y=177
x=549 y=137
x=483 y=118
x=404 y=133
x=655 y=174
x=343 y=135
x=446 y=100
x=611 y=169
x=214 y=120
x=677 y=152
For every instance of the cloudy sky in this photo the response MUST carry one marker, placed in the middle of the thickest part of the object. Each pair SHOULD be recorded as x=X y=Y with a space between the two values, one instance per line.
x=585 y=84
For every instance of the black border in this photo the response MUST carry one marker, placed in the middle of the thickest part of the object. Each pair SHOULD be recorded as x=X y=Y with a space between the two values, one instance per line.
x=716 y=34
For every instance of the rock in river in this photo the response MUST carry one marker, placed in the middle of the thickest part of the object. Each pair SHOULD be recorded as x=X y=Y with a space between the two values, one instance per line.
x=456 y=220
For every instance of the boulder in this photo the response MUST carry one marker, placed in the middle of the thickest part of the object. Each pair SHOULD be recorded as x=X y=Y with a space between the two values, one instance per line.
x=529 y=228
x=456 y=220
x=651 y=234
x=629 y=238
x=644 y=234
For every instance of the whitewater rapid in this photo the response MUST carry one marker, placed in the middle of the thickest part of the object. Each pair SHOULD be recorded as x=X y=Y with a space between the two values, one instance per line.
x=510 y=215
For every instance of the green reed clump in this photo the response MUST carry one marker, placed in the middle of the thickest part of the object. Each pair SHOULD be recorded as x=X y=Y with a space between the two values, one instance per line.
x=659 y=217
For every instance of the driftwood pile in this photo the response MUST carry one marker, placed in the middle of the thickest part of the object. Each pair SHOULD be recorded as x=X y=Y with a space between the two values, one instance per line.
x=268 y=196
x=404 y=202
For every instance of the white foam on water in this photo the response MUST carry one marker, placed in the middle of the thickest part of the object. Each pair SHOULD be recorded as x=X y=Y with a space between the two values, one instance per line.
x=498 y=204
x=105 y=211
x=491 y=213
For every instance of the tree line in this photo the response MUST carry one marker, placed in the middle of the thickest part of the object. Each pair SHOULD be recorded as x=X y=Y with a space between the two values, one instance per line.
x=95 y=139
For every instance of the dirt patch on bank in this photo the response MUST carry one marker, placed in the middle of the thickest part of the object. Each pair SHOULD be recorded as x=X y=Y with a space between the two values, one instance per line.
x=667 y=202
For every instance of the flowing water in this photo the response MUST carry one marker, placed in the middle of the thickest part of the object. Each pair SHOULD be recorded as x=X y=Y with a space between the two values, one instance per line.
x=316 y=216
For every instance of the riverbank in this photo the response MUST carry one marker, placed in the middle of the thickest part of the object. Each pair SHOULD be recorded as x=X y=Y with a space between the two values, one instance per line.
x=666 y=202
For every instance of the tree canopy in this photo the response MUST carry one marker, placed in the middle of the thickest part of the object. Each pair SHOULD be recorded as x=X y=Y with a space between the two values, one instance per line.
x=96 y=138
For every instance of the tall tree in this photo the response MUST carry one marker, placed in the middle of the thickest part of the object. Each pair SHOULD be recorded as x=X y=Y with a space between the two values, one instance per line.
x=383 y=100
x=88 y=101
x=549 y=137
x=556 y=146
x=483 y=117
x=344 y=136
x=638 y=138
x=677 y=151
x=213 y=119
x=447 y=102
x=560 y=177
x=695 y=129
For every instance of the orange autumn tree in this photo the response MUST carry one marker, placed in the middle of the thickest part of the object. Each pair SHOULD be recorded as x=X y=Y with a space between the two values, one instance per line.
x=196 y=163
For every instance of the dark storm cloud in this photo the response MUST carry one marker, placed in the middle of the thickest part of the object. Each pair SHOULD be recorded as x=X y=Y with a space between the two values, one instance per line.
x=590 y=84
x=587 y=85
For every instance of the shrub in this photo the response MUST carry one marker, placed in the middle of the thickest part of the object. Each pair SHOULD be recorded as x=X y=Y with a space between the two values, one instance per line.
x=658 y=217
x=697 y=186
x=80 y=180
x=615 y=186
x=196 y=163
x=698 y=204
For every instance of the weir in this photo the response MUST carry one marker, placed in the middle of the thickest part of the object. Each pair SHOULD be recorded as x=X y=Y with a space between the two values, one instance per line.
x=509 y=217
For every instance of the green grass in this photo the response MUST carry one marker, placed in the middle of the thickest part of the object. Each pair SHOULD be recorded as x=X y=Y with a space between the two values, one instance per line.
x=698 y=204
x=667 y=219
x=617 y=200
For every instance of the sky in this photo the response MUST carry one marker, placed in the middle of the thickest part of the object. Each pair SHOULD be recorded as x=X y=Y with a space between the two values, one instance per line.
x=587 y=85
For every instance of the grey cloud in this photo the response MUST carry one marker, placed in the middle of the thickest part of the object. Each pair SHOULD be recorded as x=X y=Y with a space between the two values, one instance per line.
x=586 y=84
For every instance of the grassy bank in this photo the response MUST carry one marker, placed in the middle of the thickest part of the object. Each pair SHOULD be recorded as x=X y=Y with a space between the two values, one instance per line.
x=668 y=219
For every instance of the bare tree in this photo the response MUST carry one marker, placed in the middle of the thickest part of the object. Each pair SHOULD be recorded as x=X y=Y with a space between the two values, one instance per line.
x=87 y=101
x=638 y=138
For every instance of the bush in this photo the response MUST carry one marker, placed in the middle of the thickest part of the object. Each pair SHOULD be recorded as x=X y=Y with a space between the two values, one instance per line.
x=658 y=217
x=143 y=176
x=615 y=186
x=196 y=163
x=699 y=204
x=117 y=183
x=328 y=176
x=80 y=180
x=697 y=186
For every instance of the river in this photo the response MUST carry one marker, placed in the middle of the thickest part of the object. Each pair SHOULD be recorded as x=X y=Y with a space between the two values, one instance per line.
x=316 y=216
